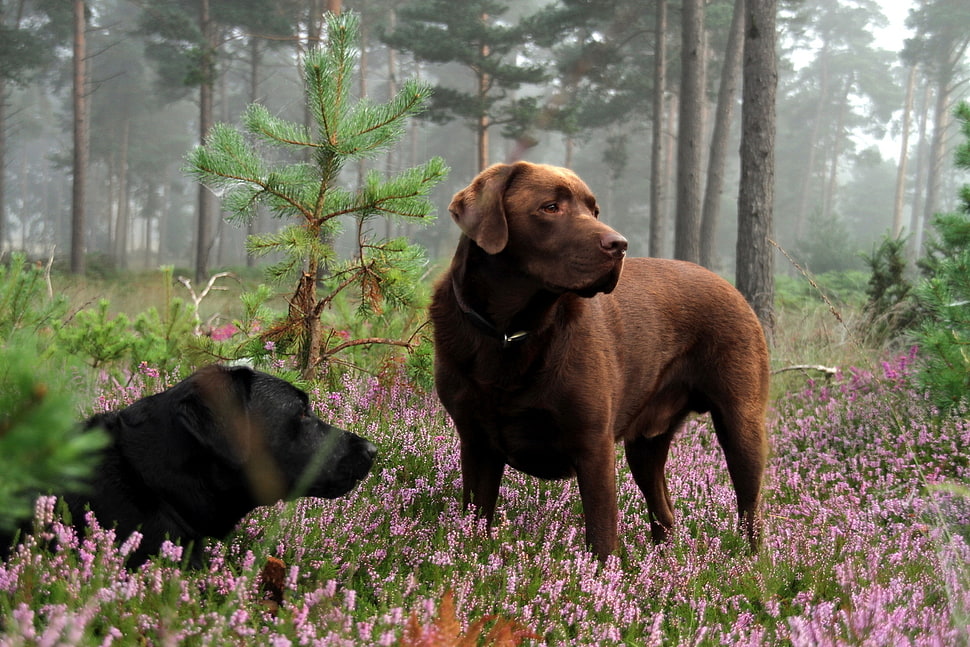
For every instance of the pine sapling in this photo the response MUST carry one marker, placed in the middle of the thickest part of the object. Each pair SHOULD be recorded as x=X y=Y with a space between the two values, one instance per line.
x=305 y=193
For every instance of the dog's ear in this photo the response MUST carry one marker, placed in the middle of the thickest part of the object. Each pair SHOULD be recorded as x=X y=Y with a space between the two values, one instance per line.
x=214 y=411
x=478 y=208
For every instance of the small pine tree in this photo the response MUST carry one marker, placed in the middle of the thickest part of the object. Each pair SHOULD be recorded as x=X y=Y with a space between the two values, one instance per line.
x=41 y=448
x=944 y=296
x=307 y=195
x=889 y=310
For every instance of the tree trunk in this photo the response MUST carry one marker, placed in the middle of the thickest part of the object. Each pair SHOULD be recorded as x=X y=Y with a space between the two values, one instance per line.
x=808 y=169
x=4 y=219
x=755 y=259
x=391 y=93
x=124 y=213
x=916 y=210
x=900 y=196
x=838 y=138
x=934 y=167
x=483 y=121
x=670 y=167
x=334 y=6
x=252 y=227
x=80 y=163
x=689 y=133
x=723 y=118
x=206 y=207
x=151 y=207
x=362 y=62
x=657 y=175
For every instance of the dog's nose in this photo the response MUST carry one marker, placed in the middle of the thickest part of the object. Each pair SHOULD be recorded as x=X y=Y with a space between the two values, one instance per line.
x=613 y=243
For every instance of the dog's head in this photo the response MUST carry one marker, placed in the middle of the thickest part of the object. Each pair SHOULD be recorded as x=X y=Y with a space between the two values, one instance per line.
x=265 y=426
x=546 y=220
x=228 y=439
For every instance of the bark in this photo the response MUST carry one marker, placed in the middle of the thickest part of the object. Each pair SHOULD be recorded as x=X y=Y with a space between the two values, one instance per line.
x=801 y=215
x=123 y=212
x=838 y=139
x=952 y=47
x=915 y=222
x=755 y=260
x=669 y=166
x=723 y=118
x=206 y=207
x=151 y=208
x=255 y=58
x=362 y=63
x=80 y=162
x=689 y=134
x=658 y=216
x=900 y=196
x=483 y=121
x=391 y=92
x=934 y=167
x=4 y=219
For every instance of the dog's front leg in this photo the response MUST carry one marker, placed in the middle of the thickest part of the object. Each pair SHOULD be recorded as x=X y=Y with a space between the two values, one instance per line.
x=596 y=474
x=481 y=474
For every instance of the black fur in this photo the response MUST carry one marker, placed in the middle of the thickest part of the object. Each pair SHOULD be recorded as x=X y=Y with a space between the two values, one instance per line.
x=192 y=461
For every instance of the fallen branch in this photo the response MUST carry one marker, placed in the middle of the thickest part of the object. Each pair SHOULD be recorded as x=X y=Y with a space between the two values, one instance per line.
x=197 y=298
x=828 y=370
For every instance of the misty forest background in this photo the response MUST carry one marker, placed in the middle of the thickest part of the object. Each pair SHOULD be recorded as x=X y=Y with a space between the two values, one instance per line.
x=102 y=100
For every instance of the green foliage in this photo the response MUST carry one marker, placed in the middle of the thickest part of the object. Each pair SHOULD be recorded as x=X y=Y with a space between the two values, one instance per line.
x=381 y=273
x=829 y=248
x=841 y=288
x=41 y=446
x=23 y=304
x=944 y=295
x=97 y=336
x=118 y=343
x=889 y=309
x=475 y=35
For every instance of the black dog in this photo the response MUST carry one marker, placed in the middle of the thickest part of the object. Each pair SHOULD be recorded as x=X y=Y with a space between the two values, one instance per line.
x=192 y=461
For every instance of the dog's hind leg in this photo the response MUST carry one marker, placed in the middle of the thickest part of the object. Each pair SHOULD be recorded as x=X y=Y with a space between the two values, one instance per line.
x=743 y=438
x=647 y=457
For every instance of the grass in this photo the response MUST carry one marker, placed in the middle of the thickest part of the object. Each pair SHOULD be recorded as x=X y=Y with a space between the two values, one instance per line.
x=862 y=545
x=867 y=530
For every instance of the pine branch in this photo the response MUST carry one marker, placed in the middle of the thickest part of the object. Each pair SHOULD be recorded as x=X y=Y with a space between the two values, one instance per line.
x=259 y=121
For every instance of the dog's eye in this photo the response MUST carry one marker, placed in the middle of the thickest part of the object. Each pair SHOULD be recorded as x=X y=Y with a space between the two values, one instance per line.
x=552 y=207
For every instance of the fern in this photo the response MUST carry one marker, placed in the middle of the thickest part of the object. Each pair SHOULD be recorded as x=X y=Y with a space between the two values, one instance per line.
x=446 y=631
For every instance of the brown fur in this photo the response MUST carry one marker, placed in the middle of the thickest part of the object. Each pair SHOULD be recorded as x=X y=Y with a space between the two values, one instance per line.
x=605 y=358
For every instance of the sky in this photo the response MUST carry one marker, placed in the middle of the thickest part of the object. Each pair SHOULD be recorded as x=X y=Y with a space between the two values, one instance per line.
x=896 y=11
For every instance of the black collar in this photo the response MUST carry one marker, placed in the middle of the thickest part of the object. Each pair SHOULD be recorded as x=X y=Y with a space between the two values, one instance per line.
x=484 y=324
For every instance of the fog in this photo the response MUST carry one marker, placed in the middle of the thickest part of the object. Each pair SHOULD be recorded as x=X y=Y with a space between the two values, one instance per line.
x=846 y=72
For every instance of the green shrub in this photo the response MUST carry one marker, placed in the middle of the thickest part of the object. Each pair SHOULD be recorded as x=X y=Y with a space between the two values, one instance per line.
x=23 y=303
x=943 y=334
x=890 y=308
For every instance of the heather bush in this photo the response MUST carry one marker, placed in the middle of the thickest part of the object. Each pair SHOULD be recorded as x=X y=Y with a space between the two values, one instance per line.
x=866 y=543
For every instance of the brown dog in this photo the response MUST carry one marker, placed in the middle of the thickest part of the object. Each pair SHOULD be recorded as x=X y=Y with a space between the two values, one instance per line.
x=546 y=357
